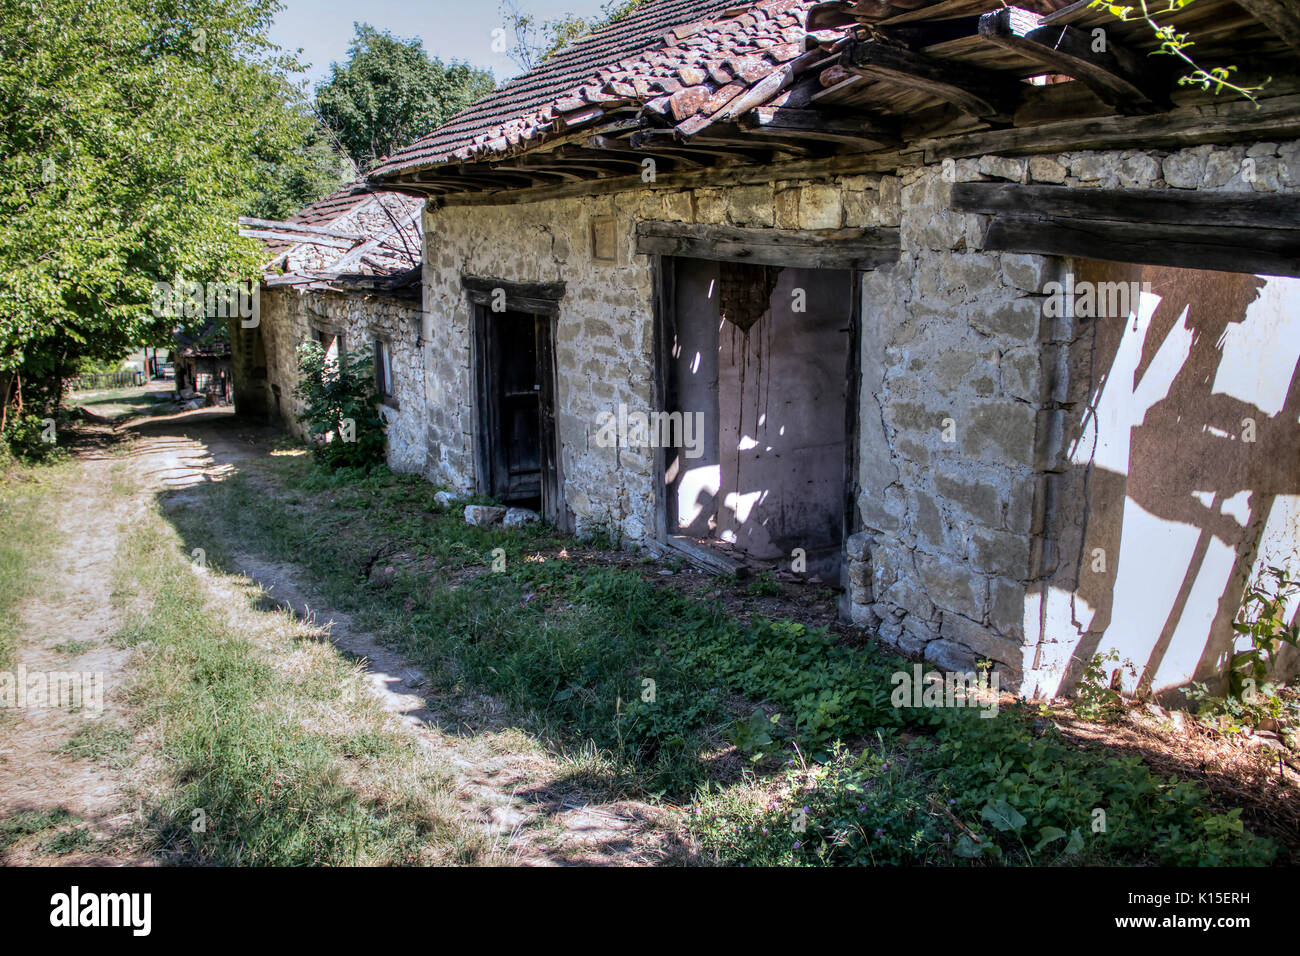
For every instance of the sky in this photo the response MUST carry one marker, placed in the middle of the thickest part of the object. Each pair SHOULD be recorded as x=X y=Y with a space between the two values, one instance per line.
x=450 y=29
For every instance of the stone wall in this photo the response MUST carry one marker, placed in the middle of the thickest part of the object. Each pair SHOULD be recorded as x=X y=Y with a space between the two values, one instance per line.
x=971 y=401
x=605 y=327
x=287 y=318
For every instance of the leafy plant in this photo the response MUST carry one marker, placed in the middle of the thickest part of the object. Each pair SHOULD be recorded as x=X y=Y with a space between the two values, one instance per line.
x=1262 y=620
x=341 y=408
x=1175 y=44
x=1097 y=696
x=24 y=438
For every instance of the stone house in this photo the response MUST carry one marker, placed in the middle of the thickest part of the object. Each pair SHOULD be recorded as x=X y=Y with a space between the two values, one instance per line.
x=972 y=308
x=344 y=272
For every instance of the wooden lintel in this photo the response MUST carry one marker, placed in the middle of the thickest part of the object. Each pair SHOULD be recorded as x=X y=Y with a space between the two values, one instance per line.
x=1218 y=248
x=808 y=249
x=1170 y=207
x=542 y=298
x=1280 y=16
x=1122 y=78
x=987 y=95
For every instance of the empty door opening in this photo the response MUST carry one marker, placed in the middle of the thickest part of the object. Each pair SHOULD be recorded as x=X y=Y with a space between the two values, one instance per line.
x=763 y=356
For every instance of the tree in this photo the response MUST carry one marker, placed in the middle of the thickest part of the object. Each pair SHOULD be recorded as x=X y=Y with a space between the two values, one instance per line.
x=536 y=41
x=132 y=135
x=317 y=169
x=390 y=92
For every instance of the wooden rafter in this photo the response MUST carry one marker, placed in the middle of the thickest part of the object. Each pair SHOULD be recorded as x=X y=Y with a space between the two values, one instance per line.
x=811 y=124
x=1119 y=76
x=1280 y=16
x=980 y=93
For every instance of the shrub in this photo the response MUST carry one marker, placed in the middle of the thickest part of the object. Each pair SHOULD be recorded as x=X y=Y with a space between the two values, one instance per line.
x=341 y=408
x=25 y=438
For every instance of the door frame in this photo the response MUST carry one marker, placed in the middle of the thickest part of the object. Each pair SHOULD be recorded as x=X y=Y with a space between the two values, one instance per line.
x=665 y=389
x=542 y=301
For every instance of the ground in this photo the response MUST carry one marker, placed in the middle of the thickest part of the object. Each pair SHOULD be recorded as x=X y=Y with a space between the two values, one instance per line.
x=501 y=780
x=305 y=668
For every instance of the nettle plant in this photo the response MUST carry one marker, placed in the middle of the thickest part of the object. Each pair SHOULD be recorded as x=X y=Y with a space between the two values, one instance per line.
x=340 y=407
x=1262 y=620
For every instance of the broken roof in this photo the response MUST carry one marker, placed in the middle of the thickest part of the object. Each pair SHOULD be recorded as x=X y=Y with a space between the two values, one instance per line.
x=695 y=83
x=357 y=237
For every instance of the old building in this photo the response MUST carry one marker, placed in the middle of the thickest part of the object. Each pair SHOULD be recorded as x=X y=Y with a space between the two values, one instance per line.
x=974 y=308
x=345 y=272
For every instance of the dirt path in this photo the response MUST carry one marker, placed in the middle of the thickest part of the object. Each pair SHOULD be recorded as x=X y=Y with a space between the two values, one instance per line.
x=504 y=780
x=66 y=629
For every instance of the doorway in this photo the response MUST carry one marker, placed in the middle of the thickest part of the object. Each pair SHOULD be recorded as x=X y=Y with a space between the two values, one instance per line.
x=517 y=454
x=764 y=357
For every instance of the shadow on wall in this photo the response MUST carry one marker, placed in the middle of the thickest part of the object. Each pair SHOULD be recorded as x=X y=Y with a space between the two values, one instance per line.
x=1182 y=480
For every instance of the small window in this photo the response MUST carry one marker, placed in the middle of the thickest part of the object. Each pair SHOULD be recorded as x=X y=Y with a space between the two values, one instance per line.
x=331 y=343
x=384 y=369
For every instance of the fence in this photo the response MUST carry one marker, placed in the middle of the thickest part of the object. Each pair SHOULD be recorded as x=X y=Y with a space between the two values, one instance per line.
x=106 y=380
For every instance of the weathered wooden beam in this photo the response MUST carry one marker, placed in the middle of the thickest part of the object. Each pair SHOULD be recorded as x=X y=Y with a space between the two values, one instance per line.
x=539 y=297
x=284 y=225
x=1121 y=77
x=1222 y=122
x=815 y=125
x=296 y=237
x=1171 y=207
x=981 y=93
x=1280 y=16
x=656 y=139
x=733 y=175
x=618 y=149
x=808 y=249
x=1264 y=251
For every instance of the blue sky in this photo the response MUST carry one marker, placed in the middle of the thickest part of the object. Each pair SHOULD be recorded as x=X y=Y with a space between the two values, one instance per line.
x=450 y=29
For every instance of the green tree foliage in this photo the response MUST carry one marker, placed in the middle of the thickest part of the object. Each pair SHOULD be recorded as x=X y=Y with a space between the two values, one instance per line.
x=390 y=92
x=340 y=407
x=317 y=169
x=536 y=40
x=132 y=135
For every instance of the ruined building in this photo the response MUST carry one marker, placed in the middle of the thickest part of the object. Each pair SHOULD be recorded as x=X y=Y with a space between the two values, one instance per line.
x=974 y=308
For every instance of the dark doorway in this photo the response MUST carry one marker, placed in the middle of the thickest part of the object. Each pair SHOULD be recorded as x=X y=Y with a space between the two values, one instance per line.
x=763 y=355
x=516 y=389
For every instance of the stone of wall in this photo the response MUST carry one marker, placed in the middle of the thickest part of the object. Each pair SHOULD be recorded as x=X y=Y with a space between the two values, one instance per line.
x=287 y=318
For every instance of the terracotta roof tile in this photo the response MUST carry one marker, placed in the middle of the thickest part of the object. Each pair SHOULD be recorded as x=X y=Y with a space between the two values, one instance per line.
x=702 y=53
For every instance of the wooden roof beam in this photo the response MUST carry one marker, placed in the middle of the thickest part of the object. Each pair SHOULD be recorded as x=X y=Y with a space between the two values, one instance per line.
x=656 y=139
x=815 y=125
x=1280 y=16
x=981 y=93
x=1119 y=76
x=622 y=148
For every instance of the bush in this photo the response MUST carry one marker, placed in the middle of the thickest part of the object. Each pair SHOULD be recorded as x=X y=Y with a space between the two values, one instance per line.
x=25 y=438
x=341 y=408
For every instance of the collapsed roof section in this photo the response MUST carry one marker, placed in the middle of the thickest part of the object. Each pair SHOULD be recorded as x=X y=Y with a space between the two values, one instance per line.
x=703 y=84
x=356 y=238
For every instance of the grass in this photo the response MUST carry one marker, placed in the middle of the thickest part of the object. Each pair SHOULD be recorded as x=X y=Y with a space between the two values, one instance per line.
x=101 y=743
x=646 y=689
x=27 y=515
x=122 y=403
x=271 y=751
x=26 y=823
